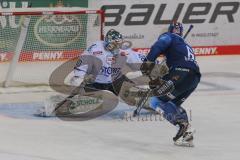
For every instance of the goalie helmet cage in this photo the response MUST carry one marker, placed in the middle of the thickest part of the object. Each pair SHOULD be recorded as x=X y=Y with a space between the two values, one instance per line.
x=35 y=41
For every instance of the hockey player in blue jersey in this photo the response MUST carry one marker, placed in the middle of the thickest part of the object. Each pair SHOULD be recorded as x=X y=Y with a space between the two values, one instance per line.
x=171 y=90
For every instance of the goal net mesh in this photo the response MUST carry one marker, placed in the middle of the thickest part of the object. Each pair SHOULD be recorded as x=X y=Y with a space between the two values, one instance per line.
x=35 y=43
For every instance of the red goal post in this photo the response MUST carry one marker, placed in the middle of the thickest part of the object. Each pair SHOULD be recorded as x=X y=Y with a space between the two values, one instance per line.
x=34 y=41
x=50 y=11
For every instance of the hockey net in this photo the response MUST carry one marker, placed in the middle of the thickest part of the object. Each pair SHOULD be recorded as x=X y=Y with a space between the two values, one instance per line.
x=36 y=41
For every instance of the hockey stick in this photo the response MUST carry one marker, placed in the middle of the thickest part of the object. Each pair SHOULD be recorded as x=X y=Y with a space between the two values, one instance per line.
x=62 y=102
x=145 y=96
x=188 y=31
x=142 y=101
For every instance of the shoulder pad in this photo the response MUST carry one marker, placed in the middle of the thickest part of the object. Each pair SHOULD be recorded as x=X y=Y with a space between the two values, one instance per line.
x=90 y=48
x=164 y=36
x=142 y=56
x=96 y=49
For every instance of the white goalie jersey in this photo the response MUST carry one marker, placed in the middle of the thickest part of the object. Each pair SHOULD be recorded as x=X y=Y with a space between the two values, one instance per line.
x=106 y=66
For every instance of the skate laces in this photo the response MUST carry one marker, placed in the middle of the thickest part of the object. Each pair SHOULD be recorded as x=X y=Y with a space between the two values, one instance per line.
x=182 y=129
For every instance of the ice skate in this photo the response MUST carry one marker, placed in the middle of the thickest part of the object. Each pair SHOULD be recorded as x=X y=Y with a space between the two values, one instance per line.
x=184 y=136
x=47 y=110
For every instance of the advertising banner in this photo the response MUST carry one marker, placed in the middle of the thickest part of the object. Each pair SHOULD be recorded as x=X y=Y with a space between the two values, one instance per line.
x=215 y=31
x=49 y=38
x=216 y=22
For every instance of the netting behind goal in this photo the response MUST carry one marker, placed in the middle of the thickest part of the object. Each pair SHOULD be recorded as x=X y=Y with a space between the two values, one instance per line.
x=34 y=42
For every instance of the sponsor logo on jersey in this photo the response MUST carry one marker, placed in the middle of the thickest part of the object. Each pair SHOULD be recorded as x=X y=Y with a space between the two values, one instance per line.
x=111 y=59
x=110 y=71
x=124 y=53
x=142 y=50
x=97 y=53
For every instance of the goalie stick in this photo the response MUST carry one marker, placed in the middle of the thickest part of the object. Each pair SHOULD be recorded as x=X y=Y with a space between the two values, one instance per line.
x=71 y=95
x=145 y=97
x=45 y=113
x=76 y=91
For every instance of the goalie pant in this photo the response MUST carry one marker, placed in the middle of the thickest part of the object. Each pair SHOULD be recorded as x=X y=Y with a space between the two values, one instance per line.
x=185 y=82
x=114 y=87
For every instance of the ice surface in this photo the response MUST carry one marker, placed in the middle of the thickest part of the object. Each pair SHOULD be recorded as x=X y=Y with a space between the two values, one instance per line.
x=215 y=113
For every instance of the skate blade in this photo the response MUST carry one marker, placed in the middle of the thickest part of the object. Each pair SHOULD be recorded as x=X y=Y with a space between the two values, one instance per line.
x=184 y=143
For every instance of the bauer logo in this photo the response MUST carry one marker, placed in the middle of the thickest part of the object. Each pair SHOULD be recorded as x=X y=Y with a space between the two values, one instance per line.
x=58 y=30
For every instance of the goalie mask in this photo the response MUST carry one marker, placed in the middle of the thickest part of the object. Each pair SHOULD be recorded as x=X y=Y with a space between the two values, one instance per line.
x=113 y=40
x=176 y=28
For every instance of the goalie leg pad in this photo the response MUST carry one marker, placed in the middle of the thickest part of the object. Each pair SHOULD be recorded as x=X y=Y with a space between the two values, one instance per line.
x=49 y=106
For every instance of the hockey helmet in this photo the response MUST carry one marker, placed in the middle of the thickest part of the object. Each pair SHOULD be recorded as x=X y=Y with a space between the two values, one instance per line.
x=113 y=40
x=176 y=27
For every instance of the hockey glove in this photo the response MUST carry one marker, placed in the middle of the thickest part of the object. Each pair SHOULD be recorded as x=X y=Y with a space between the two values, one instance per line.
x=89 y=78
x=75 y=81
x=155 y=83
x=165 y=88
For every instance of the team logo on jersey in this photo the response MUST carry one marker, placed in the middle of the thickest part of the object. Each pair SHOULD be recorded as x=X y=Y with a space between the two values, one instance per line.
x=79 y=62
x=111 y=59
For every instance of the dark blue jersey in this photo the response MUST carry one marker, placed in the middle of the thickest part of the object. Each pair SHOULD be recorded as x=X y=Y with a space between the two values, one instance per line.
x=178 y=53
